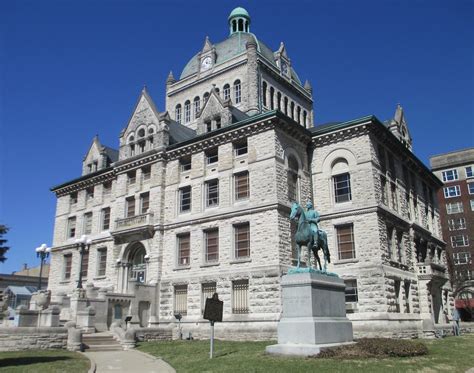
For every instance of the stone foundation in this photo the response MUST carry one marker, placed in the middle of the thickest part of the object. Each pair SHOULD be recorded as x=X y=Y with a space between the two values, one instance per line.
x=30 y=338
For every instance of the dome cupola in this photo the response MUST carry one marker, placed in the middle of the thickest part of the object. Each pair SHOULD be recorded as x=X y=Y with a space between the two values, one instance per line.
x=239 y=21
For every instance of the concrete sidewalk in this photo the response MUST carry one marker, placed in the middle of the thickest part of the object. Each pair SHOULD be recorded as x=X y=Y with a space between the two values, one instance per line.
x=127 y=361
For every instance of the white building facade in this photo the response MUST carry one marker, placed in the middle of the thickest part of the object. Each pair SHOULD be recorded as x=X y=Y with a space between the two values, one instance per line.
x=196 y=201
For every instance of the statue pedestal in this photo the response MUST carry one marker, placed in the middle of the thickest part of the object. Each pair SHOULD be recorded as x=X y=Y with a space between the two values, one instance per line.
x=314 y=315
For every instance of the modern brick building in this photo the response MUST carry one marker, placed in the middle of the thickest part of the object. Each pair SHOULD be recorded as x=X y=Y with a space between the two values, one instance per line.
x=197 y=199
x=456 y=200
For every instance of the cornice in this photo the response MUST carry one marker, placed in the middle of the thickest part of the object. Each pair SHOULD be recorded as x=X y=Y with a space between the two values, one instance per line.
x=343 y=133
x=81 y=184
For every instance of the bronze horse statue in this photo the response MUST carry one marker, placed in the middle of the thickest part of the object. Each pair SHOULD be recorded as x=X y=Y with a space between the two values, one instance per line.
x=306 y=237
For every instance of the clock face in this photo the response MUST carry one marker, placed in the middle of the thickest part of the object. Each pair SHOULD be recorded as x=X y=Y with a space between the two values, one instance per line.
x=206 y=63
x=284 y=68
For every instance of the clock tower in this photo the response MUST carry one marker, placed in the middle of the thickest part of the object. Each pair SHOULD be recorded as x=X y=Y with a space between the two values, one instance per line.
x=207 y=57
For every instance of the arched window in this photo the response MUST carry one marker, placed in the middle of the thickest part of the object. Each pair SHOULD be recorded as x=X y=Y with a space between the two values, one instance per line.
x=197 y=106
x=298 y=114
x=292 y=174
x=141 y=133
x=264 y=93
x=341 y=181
x=237 y=92
x=241 y=24
x=138 y=263
x=234 y=25
x=187 y=111
x=279 y=101
x=217 y=91
x=286 y=106
x=292 y=112
x=246 y=26
x=305 y=118
x=226 y=92
x=178 y=113
x=272 y=95
x=205 y=96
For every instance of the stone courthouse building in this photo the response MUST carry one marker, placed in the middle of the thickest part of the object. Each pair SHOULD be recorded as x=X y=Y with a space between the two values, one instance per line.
x=197 y=199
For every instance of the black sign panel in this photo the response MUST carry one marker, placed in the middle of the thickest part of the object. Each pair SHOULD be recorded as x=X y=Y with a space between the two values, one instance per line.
x=213 y=308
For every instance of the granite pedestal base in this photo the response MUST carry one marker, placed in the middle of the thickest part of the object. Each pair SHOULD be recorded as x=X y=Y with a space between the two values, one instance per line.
x=314 y=315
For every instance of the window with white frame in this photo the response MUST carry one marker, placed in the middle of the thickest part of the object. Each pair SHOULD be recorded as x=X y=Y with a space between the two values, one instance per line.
x=472 y=204
x=178 y=113
x=106 y=189
x=197 y=106
x=240 y=148
x=211 y=238
x=144 y=202
x=71 y=227
x=185 y=164
x=456 y=224
x=185 y=199
x=242 y=240
x=452 y=191
x=212 y=156
x=67 y=266
x=183 y=249
x=181 y=300
x=130 y=207
x=212 y=193
x=226 y=92
x=469 y=172
x=450 y=175
x=460 y=240
x=187 y=111
x=345 y=241
x=242 y=190
x=73 y=198
x=342 y=188
x=240 y=296
x=454 y=208
x=470 y=188
x=207 y=291
x=101 y=261
x=351 y=291
x=87 y=223
x=462 y=258
x=238 y=92
x=105 y=219
x=146 y=173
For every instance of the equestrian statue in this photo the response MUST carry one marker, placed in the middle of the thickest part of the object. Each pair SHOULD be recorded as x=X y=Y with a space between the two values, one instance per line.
x=308 y=234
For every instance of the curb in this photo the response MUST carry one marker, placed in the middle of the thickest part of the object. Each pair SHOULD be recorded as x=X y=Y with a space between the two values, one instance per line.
x=93 y=367
x=171 y=369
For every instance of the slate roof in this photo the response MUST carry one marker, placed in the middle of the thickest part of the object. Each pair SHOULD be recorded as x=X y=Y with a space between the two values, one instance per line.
x=112 y=154
x=234 y=45
x=180 y=133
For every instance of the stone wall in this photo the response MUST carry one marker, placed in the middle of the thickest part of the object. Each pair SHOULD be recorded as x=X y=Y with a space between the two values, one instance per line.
x=19 y=339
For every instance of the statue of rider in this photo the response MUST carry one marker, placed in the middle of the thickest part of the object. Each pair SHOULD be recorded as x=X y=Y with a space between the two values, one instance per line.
x=313 y=217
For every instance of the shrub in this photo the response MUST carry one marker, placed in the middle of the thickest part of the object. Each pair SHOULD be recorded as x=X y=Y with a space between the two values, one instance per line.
x=377 y=347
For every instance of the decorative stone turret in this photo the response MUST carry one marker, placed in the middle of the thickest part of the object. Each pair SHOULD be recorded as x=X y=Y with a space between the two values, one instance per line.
x=252 y=74
x=170 y=80
x=399 y=127
x=308 y=87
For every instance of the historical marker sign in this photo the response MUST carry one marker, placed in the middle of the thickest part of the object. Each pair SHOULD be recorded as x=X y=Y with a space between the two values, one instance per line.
x=213 y=308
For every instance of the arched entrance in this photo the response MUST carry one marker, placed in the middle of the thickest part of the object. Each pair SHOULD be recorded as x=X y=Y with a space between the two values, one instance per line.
x=137 y=260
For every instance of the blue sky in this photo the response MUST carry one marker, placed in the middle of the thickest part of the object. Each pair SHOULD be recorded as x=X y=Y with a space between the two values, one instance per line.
x=73 y=69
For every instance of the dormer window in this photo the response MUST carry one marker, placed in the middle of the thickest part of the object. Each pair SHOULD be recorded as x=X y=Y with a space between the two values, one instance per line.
x=141 y=133
x=132 y=150
x=141 y=146
x=208 y=124
x=218 y=122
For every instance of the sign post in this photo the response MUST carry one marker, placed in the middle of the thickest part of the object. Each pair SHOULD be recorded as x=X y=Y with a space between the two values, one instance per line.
x=213 y=313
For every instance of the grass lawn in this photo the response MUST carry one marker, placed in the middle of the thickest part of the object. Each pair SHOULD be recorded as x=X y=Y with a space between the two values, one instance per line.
x=43 y=361
x=451 y=354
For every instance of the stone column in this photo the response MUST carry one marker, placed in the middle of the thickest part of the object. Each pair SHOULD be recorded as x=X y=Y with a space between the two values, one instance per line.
x=253 y=80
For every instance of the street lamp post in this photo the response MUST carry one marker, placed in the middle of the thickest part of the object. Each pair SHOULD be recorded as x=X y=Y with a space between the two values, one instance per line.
x=84 y=243
x=42 y=252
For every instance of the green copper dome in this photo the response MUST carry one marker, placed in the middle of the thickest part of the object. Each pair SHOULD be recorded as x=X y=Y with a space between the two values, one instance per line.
x=239 y=12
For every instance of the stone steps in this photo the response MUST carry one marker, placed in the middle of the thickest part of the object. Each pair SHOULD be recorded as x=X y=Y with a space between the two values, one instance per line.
x=100 y=342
